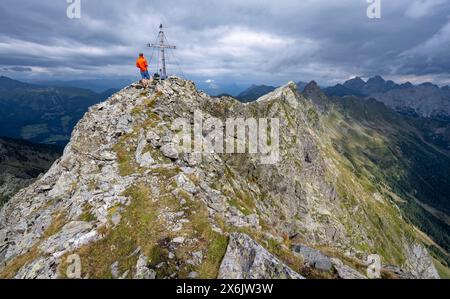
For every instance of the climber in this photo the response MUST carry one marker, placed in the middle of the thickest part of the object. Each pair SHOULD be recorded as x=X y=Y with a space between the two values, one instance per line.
x=141 y=63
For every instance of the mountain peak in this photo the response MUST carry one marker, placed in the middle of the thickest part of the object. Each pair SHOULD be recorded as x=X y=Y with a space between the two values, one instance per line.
x=7 y=79
x=428 y=84
x=377 y=79
x=315 y=94
x=406 y=85
x=355 y=83
x=7 y=83
x=312 y=87
x=356 y=79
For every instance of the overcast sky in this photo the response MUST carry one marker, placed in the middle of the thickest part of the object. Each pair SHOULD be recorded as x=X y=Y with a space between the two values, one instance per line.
x=250 y=41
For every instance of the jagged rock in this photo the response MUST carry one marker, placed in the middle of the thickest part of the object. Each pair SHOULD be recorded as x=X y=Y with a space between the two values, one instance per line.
x=198 y=257
x=115 y=270
x=169 y=150
x=179 y=240
x=153 y=138
x=43 y=188
x=72 y=236
x=245 y=259
x=142 y=271
x=399 y=272
x=184 y=183
x=420 y=263
x=42 y=268
x=344 y=271
x=313 y=257
x=144 y=159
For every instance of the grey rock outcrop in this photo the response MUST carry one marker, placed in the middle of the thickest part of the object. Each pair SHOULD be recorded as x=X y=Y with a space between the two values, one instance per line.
x=419 y=262
x=142 y=270
x=313 y=257
x=246 y=259
x=344 y=271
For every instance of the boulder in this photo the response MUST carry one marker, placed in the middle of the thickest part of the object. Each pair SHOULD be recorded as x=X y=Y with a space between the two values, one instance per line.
x=170 y=151
x=142 y=271
x=313 y=257
x=419 y=262
x=344 y=271
x=246 y=259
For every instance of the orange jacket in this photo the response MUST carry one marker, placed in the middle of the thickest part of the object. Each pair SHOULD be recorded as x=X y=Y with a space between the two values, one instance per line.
x=142 y=64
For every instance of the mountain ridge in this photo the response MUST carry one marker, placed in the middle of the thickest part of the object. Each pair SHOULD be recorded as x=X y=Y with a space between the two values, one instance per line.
x=121 y=168
x=426 y=99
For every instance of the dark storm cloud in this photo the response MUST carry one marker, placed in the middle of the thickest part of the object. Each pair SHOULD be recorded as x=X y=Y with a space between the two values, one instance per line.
x=18 y=69
x=251 y=41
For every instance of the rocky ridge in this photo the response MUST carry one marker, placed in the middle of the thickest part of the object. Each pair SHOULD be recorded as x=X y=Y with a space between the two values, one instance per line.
x=125 y=201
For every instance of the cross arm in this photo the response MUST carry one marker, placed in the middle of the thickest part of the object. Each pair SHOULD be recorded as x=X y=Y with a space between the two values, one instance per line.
x=161 y=46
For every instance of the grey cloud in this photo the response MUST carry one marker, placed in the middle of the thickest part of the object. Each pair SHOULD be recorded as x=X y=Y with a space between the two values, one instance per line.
x=253 y=41
x=19 y=69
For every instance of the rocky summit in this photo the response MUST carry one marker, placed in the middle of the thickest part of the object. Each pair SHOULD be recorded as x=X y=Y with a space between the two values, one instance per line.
x=124 y=202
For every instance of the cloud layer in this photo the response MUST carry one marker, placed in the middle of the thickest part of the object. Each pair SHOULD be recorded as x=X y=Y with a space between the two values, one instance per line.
x=250 y=41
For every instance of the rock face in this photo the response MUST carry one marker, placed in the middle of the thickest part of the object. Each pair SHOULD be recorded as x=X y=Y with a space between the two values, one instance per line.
x=313 y=257
x=245 y=259
x=420 y=263
x=131 y=204
x=344 y=271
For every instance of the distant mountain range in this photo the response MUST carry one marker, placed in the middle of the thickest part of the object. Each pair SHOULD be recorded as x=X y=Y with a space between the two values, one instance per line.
x=215 y=89
x=426 y=104
x=424 y=100
x=96 y=85
x=43 y=114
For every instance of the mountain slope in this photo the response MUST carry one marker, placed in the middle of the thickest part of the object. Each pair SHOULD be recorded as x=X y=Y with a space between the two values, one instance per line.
x=96 y=85
x=254 y=92
x=7 y=84
x=391 y=150
x=42 y=114
x=130 y=205
x=20 y=164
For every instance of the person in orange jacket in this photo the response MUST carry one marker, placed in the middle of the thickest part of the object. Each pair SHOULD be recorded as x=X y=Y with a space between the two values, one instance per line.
x=142 y=65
